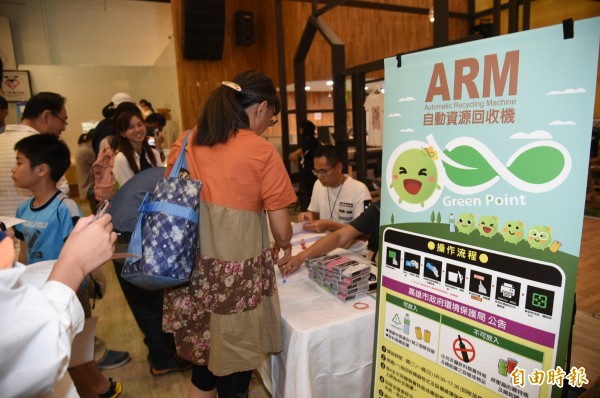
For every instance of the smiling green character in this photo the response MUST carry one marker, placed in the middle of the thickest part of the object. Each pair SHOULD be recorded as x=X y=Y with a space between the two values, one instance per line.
x=415 y=175
x=488 y=226
x=513 y=231
x=539 y=237
x=465 y=223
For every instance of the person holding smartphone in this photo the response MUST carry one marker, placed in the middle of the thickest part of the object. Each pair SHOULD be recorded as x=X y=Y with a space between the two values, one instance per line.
x=155 y=123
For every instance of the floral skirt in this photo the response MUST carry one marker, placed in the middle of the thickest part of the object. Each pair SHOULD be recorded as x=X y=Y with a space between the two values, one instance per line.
x=228 y=315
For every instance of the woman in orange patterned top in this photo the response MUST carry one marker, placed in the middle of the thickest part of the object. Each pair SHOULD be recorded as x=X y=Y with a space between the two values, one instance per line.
x=228 y=316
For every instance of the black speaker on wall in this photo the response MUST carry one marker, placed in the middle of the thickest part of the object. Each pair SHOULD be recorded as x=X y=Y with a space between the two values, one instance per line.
x=244 y=28
x=203 y=29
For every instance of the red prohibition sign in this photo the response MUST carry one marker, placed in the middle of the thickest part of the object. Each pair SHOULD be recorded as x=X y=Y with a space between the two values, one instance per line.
x=463 y=349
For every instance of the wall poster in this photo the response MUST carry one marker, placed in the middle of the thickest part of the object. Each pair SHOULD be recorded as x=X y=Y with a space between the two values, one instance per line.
x=16 y=85
x=485 y=159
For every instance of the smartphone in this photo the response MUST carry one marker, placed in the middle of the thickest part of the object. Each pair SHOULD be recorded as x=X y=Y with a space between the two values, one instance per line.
x=102 y=209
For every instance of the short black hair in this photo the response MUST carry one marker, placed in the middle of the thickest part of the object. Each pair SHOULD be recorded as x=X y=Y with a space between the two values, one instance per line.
x=3 y=103
x=46 y=149
x=156 y=118
x=41 y=102
x=308 y=127
x=330 y=152
x=108 y=111
x=125 y=107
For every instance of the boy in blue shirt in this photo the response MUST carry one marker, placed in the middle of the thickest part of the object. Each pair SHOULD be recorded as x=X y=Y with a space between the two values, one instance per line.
x=42 y=159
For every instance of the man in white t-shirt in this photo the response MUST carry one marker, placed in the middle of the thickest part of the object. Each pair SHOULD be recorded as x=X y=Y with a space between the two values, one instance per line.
x=337 y=198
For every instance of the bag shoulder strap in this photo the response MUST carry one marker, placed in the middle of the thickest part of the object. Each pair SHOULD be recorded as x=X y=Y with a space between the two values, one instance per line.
x=181 y=162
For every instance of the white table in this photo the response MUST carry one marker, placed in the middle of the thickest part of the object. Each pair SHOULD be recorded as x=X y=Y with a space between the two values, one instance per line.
x=327 y=344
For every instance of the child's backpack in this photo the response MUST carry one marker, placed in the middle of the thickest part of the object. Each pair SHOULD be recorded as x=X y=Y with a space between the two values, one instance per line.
x=104 y=180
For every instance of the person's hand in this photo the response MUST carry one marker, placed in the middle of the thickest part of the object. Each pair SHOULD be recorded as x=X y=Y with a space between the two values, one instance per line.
x=287 y=254
x=90 y=244
x=159 y=138
x=10 y=233
x=317 y=226
x=7 y=252
x=305 y=216
x=292 y=265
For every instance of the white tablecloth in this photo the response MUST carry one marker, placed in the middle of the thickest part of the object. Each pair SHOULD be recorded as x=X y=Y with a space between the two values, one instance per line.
x=327 y=344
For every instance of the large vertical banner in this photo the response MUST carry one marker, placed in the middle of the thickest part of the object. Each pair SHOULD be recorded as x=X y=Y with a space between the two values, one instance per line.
x=485 y=160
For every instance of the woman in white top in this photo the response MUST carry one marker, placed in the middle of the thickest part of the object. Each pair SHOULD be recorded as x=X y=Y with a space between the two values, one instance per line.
x=134 y=153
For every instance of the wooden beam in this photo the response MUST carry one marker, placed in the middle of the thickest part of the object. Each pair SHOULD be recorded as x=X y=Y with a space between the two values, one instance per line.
x=385 y=7
x=283 y=98
x=440 y=24
x=513 y=16
x=359 y=123
x=308 y=36
x=328 y=7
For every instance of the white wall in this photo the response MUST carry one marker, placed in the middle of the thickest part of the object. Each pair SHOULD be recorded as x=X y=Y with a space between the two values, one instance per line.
x=88 y=89
x=87 y=50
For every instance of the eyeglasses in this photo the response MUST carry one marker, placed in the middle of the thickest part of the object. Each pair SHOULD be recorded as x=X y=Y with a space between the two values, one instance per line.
x=322 y=172
x=273 y=122
x=60 y=118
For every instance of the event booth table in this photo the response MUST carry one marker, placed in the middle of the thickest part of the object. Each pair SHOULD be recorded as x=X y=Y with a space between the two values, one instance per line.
x=327 y=344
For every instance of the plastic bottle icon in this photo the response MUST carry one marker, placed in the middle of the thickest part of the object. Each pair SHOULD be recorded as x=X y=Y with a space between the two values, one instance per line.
x=463 y=350
x=406 y=324
x=452 y=221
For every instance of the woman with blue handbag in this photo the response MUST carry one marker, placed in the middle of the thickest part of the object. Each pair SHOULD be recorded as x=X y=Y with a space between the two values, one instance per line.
x=134 y=156
x=228 y=315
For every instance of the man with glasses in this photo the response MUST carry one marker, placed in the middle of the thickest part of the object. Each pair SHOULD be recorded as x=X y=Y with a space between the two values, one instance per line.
x=337 y=198
x=45 y=113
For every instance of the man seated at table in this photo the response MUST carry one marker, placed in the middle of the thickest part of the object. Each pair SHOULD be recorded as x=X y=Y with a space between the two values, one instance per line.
x=337 y=198
x=366 y=224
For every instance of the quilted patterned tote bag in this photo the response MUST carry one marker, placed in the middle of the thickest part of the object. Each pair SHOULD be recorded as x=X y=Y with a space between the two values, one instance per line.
x=166 y=234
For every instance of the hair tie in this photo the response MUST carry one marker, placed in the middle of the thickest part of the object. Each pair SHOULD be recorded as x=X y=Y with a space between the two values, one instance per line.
x=359 y=305
x=232 y=85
